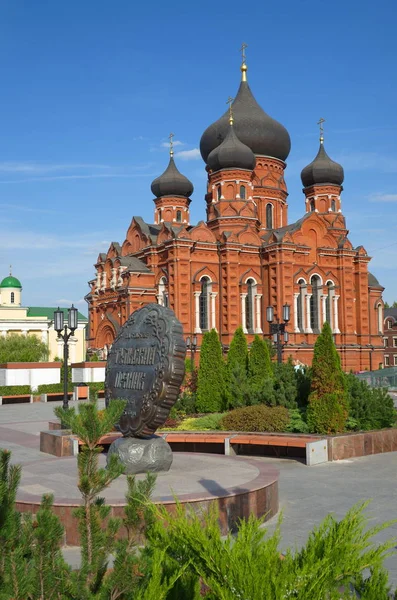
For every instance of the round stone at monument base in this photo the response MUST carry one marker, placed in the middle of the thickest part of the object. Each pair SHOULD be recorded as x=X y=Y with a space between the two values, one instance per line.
x=140 y=455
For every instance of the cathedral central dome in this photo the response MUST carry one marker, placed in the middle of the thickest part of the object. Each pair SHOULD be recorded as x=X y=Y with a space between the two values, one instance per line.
x=253 y=127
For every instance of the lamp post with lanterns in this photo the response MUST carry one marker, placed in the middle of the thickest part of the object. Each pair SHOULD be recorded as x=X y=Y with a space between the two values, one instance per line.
x=191 y=344
x=65 y=331
x=277 y=329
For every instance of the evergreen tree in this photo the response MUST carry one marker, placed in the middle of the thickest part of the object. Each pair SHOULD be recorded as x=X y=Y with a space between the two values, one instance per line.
x=97 y=541
x=211 y=377
x=236 y=370
x=285 y=384
x=327 y=411
x=238 y=351
x=259 y=363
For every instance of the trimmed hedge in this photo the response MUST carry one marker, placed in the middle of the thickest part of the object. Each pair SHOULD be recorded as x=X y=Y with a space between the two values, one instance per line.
x=53 y=388
x=14 y=390
x=256 y=418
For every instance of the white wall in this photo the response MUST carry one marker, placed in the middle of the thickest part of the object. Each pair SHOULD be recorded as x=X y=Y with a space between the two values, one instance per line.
x=30 y=376
x=88 y=373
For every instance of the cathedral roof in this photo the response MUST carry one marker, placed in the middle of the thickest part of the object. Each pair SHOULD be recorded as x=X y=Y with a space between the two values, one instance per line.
x=253 y=127
x=231 y=153
x=172 y=183
x=373 y=282
x=133 y=264
x=322 y=170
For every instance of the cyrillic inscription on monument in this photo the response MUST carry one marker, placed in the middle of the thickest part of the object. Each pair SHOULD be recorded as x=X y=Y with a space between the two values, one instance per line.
x=145 y=366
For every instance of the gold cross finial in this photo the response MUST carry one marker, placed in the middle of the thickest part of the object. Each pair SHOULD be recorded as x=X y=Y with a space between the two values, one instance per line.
x=321 y=121
x=229 y=102
x=242 y=50
x=243 y=65
x=171 y=144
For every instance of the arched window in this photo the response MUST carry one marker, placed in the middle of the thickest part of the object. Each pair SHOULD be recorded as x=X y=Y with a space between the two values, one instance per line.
x=204 y=303
x=333 y=205
x=219 y=192
x=242 y=192
x=163 y=294
x=315 y=304
x=300 y=304
x=312 y=206
x=178 y=216
x=269 y=216
x=380 y=317
x=249 y=305
x=328 y=302
x=160 y=215
x=12 y=298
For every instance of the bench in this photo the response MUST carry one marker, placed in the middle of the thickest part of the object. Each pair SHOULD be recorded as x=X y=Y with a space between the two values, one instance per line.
x=313 y=448
x=27 y=398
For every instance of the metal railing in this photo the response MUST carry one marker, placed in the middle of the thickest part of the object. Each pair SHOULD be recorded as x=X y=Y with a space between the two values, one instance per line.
x=380 y=378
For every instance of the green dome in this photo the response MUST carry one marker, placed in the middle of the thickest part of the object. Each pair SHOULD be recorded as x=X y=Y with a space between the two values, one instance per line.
x=10 y=282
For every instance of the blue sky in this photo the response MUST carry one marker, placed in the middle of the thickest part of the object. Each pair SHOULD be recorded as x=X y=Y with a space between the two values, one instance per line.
x=90 y=91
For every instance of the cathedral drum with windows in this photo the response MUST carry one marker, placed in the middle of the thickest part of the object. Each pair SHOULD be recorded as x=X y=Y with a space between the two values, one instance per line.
x=224 y=272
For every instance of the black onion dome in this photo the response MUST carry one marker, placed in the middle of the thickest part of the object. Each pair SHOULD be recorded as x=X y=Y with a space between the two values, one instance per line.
x=322 y=170
x=231 y=153
x=172 y=183
x=253 y=127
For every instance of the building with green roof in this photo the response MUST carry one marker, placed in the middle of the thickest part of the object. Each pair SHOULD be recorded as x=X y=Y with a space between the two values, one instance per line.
x=38 y=321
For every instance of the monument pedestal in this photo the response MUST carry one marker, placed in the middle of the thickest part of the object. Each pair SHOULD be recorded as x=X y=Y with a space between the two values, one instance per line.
x=142 y=455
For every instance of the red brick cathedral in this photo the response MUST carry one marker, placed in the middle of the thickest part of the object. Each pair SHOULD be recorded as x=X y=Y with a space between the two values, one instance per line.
x=246 y=256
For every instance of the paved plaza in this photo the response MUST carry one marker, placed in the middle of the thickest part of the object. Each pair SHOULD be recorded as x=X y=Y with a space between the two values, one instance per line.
x=307 y=494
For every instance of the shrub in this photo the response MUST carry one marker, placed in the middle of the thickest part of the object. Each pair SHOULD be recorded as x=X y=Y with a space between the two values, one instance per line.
x=369 y=408
x=327 y=410
x=211 y=377
x=206 y=423
x=52 y=388
x=185 y=404
x=297 y=423
x=259 y=363
x=14 y=390
x=256 y=418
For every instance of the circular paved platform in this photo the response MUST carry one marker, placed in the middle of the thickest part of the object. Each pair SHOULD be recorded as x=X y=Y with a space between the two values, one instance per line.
x=238 y=486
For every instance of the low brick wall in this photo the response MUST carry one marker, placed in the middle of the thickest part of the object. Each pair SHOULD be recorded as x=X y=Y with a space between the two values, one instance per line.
x=353 y=445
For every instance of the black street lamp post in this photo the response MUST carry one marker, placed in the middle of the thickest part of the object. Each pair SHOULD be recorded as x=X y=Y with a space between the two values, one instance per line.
x=277 y=329
x=62 y=330
x=192 y=345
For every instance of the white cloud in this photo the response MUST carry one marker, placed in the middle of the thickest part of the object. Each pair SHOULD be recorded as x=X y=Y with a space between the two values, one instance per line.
x=70 y=177
x=33 y=168
x=383 y=198
x=175 y=143
x=189 y=154
x=367 y=161
x=80 y=302
x=22 y=208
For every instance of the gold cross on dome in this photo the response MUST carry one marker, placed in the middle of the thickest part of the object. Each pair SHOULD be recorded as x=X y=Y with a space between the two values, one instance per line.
x=229 y=102
x=321 y=121
x=242 y=50
x=171 y=144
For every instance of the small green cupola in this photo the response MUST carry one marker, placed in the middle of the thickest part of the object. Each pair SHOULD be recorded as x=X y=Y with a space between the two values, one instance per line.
x=10 y=282
x=10 y=291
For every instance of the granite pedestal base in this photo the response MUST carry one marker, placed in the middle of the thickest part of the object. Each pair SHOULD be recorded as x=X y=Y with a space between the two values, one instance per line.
x=236 y=486
x=142 y=455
